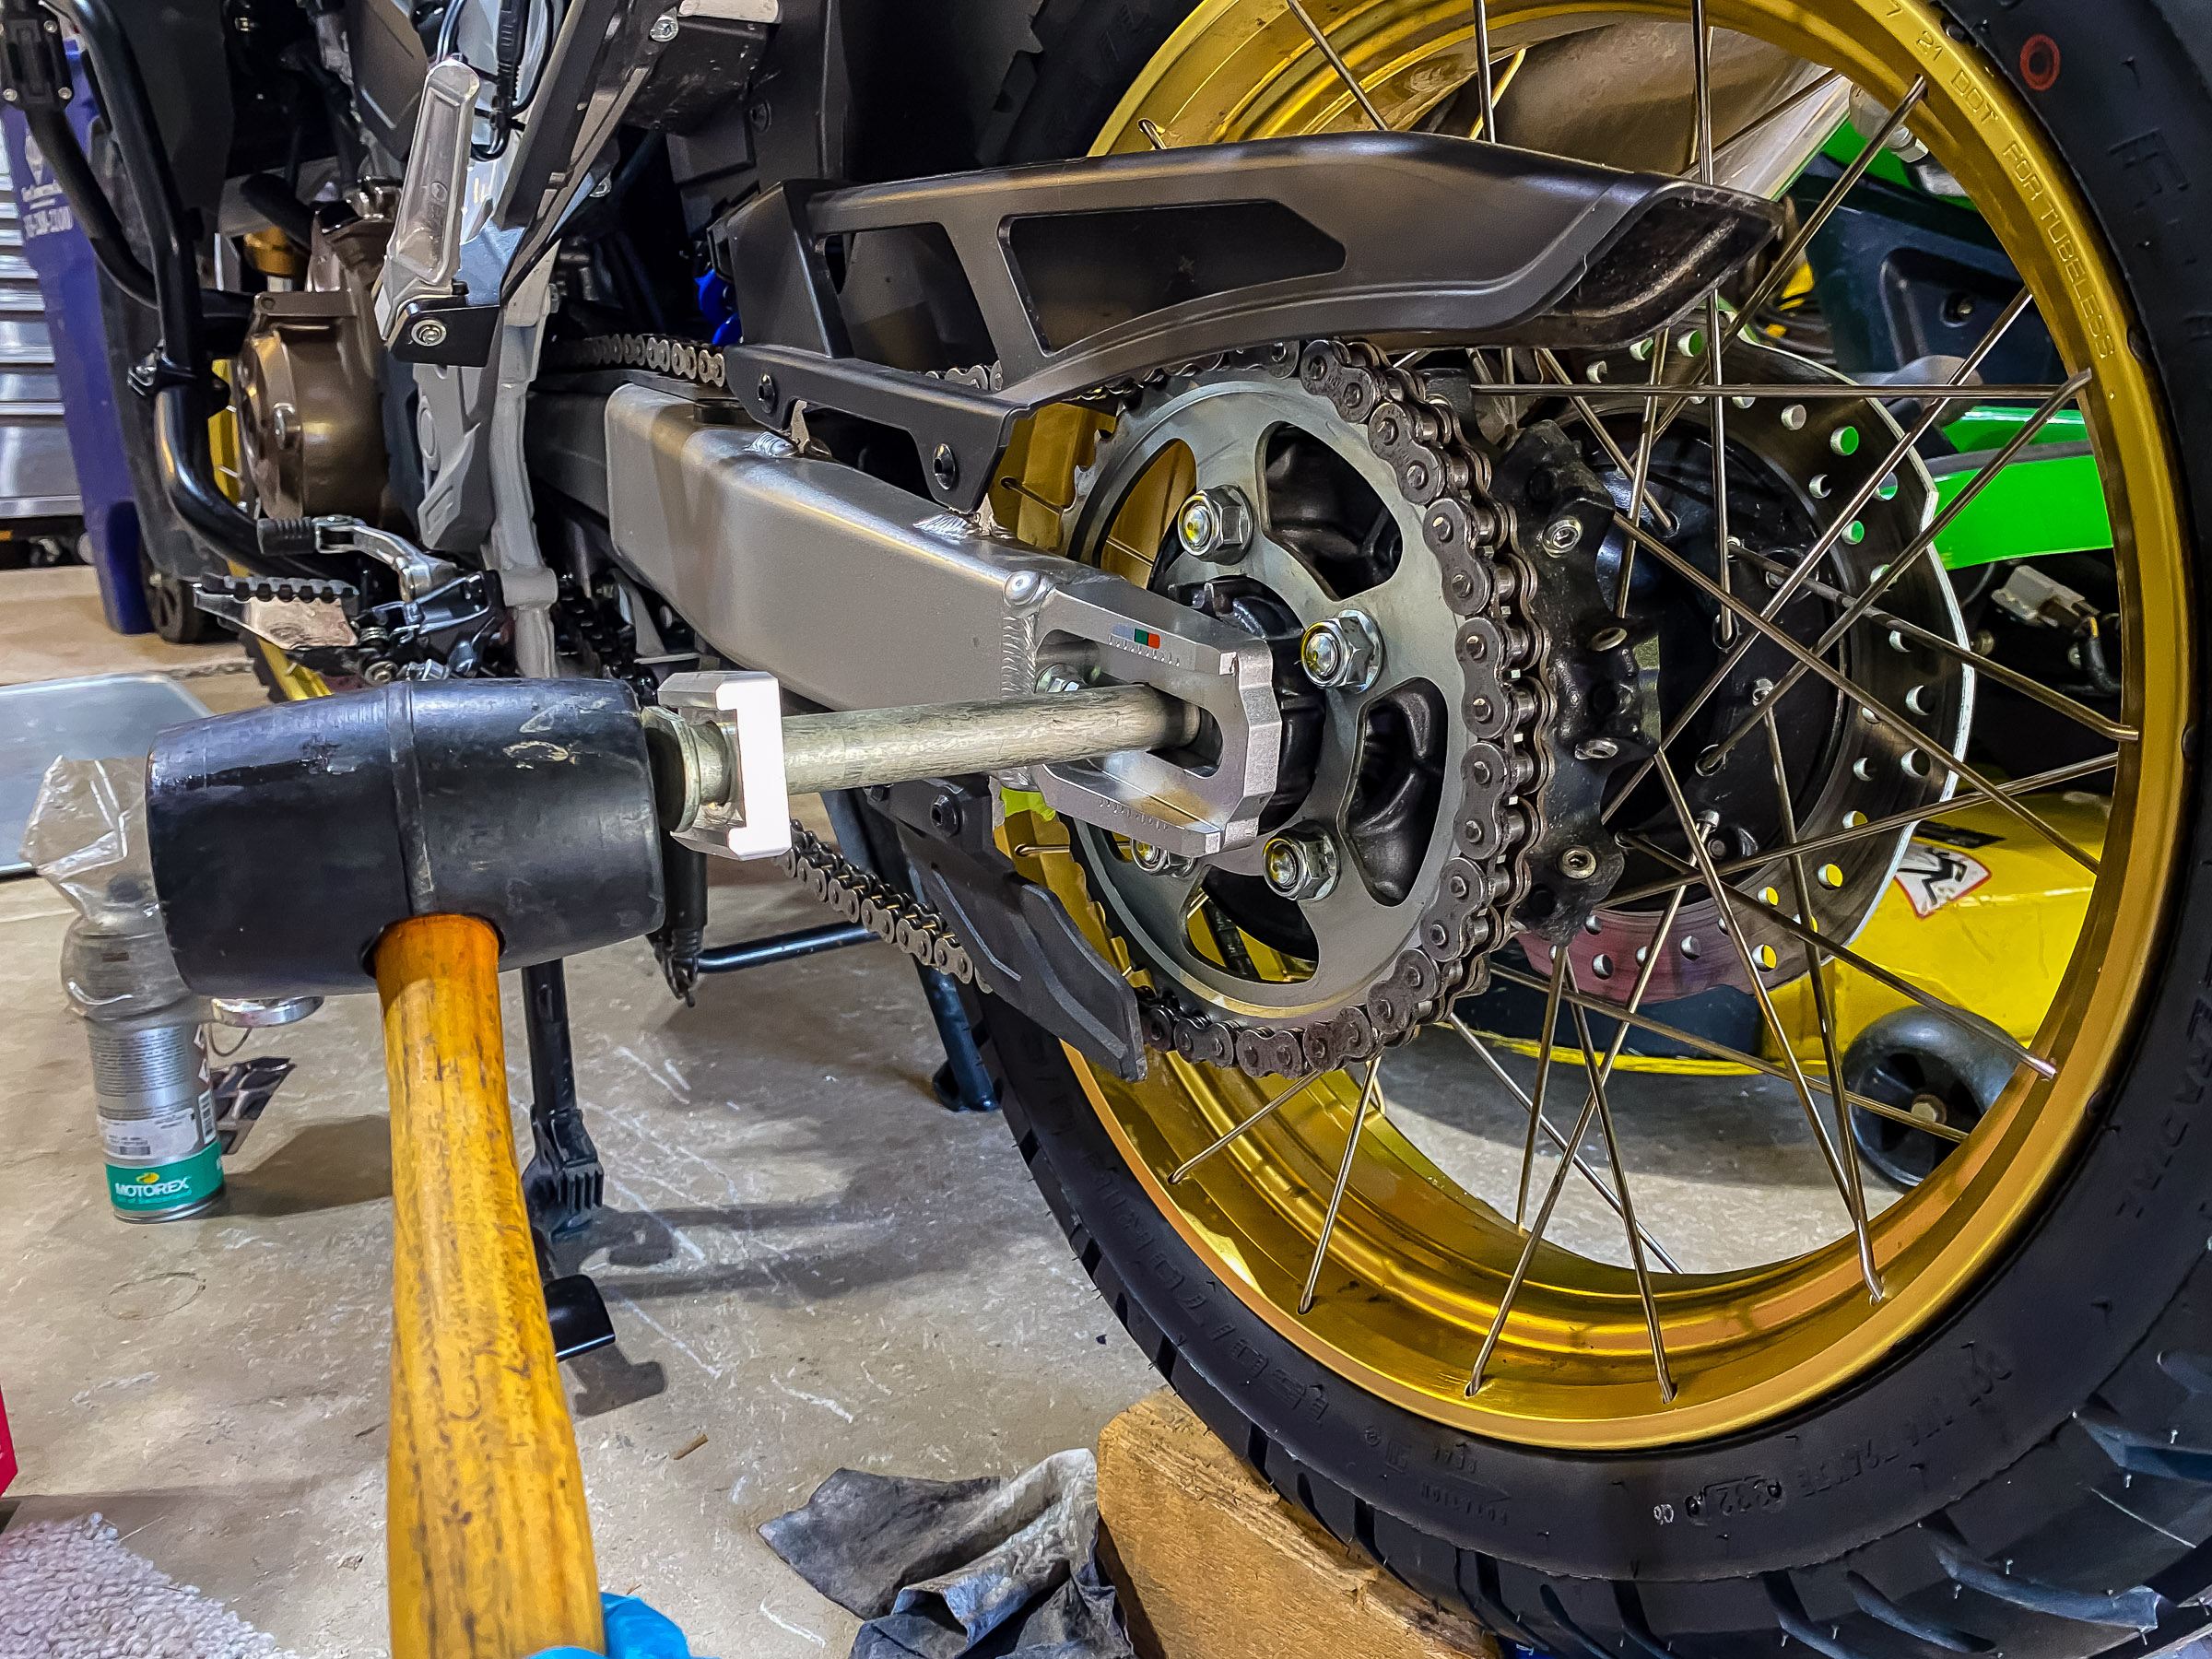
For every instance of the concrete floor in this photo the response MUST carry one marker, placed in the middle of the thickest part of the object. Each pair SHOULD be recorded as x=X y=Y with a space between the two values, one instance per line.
x=808 y=1261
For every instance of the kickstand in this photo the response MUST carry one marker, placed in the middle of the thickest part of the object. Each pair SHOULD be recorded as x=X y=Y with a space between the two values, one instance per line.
x=563 y=1182
x=871 y=840
x=575 y=1312
x=962 y=1083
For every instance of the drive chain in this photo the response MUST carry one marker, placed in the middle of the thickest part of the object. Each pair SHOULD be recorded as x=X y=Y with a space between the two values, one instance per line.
x=885 y=911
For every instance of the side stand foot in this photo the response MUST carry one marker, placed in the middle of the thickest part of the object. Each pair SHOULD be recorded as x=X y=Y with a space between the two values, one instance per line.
x=563 y=1182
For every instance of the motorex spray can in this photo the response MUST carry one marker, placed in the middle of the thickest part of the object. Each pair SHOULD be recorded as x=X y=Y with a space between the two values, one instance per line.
x=157 y=1119
x=142 y=1025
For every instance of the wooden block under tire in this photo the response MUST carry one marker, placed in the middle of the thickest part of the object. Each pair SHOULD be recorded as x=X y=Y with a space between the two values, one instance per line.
x=1212 y=1564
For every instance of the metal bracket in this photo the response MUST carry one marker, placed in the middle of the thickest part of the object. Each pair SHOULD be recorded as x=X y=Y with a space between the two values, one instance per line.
x=1099 y=270
x=1023 y=941
x=747 y=816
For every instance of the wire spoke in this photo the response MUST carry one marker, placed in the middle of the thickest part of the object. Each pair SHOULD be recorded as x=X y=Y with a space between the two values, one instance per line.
x=1734 y=1057
x=1784 y=390
x=1873 y=970
x=1855 y=1190
x=1785 y=264
x=1484 y=91
x=1251 y=1122
x=1628 y=1207
x=1640 y=480
x=1582 y=1123
x=1550 y=364
x=1812 y=89
x=1801 y=572
x=1717 y=409
x=2036 y=782
x=1922 y=545
x=1536 y=1109
x=2057 y=702
x=1732 y=925
x=1883 y=714
x=1344 y=1175
x=1528 y=1248
x=1344 y=70
x=1482 y=1051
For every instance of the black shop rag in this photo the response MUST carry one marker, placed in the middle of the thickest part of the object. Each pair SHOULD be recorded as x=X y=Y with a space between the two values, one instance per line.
x=961 y=1568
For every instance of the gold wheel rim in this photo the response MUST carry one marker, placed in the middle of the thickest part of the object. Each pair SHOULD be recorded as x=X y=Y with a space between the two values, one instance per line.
x=1416 y=1266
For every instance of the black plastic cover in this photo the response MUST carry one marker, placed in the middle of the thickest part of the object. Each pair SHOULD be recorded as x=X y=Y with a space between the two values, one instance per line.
x=286 y=840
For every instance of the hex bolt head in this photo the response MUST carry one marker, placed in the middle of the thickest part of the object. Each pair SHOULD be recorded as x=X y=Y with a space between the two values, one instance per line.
x=1300 y=863
x=429 y=332
x=1157 y=861
x=1561 y=536
x=944 y=466
x=664 y=27
x=1342 y=652
x=1215 y=523
x=765 y=392
x=1057 y=677
x=1578 y=864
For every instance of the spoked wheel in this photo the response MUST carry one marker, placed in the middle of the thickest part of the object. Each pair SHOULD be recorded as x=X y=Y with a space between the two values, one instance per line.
x=1759 y=668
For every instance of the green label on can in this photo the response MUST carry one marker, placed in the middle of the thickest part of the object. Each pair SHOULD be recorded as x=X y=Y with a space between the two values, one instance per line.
x=191 y=1181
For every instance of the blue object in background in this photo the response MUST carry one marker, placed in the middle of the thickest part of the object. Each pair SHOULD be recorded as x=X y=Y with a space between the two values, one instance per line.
x=720 y=310
x=69 y=283
x=633 y=1631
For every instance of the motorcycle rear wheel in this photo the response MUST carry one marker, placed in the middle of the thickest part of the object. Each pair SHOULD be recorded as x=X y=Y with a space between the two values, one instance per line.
x=2009 y=1450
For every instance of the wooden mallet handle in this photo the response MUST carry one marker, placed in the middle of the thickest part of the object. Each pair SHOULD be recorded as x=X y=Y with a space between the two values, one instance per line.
x=488 y=1547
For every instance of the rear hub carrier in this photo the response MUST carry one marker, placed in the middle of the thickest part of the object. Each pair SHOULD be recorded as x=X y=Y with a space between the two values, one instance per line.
x=1790 y=466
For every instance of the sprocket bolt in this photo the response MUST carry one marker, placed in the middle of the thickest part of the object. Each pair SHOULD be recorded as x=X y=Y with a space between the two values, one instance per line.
x=1157 y=861
x=1342 y=652
x=1215 y=523
x=1302 y=864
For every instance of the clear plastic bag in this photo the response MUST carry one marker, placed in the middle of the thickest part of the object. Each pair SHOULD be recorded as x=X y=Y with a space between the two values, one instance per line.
x=86 y=836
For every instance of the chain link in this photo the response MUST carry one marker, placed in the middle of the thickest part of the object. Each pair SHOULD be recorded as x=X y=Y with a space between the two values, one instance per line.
x=661 y=353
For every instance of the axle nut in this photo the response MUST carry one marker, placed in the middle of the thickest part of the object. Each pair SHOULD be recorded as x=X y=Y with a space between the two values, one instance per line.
x=1215 y=525
x=1342 y=653
x=1302 y=863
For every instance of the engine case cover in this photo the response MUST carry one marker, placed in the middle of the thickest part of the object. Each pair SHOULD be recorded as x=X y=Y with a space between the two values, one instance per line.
x=310 y=423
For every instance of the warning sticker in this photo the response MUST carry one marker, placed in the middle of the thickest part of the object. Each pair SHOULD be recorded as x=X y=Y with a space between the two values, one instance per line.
x=1932 y=876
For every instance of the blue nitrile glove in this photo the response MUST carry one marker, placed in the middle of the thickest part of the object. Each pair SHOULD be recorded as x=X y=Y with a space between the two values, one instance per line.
x=633 y=1631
